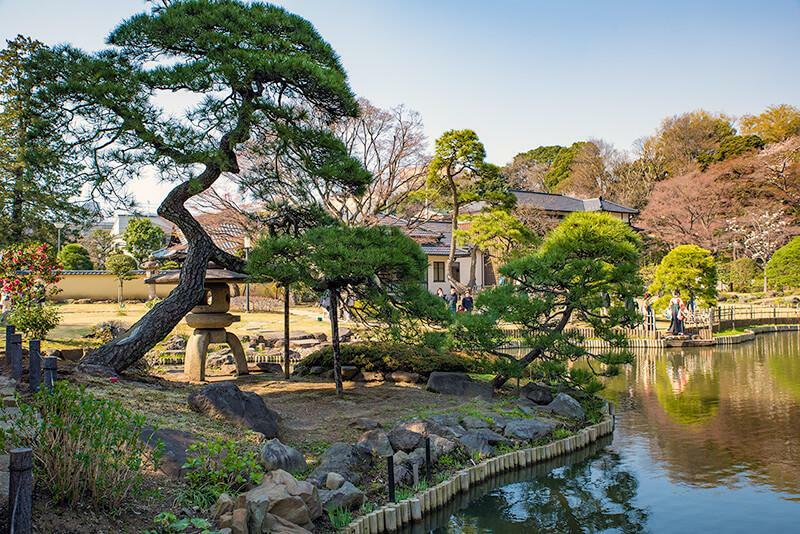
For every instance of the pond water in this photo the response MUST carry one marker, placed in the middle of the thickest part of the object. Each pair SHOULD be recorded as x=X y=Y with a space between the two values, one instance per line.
x=707 y=440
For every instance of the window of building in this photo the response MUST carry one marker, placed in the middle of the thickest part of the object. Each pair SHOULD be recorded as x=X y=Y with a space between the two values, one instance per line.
x=457 y=271
x=438 y=271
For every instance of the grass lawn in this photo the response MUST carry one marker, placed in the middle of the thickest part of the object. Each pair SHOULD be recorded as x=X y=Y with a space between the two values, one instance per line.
x=77 y=320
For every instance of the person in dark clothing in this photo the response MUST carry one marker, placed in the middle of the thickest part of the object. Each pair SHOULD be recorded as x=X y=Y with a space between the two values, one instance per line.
x=452 y=300
x=440 y=294
x=467 y=301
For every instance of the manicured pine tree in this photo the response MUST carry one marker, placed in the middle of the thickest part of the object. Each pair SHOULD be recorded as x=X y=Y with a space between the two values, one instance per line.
x=252 y=67
x=586 y=271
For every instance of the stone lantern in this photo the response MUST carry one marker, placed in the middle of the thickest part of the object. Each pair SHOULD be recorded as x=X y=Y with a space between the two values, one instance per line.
x=209 y=318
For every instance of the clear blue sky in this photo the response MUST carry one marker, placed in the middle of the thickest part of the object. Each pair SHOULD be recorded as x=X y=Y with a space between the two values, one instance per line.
x=523 y=73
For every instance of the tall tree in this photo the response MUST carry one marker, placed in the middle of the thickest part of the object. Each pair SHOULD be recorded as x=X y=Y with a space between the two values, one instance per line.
x=689 y=269
x=378 y=268
x=243 y=68
x=142 y=238
x=39 y=181
x=457 y=175
x=120 y=265
x=774 y=124
x=586 y=270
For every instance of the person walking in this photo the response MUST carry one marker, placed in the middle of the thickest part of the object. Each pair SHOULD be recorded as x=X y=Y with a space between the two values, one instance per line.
x=440 y=294
x=467 y=302
x=677 y=314
x=647 y=312
x=5 y=306
x=452 y=300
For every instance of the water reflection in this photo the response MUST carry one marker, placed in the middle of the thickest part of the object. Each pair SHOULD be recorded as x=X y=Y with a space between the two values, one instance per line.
x=589 y=490
x=706 y=440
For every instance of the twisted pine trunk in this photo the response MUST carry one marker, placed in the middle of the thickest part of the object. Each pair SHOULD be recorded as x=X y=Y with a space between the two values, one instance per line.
x=122 y=352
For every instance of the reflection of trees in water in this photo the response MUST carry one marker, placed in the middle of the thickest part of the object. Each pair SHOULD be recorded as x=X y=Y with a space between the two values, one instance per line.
x=591 y=495
x=712 y=415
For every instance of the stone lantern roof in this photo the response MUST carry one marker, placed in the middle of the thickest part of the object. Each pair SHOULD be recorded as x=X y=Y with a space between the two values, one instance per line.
x=214 y=273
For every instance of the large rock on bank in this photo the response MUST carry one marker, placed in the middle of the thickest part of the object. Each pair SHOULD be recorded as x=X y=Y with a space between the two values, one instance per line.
x=350 y=461
x=566 y=406
x=224 y=400
x=281 y=495
x=458 y=384
x=276 y=455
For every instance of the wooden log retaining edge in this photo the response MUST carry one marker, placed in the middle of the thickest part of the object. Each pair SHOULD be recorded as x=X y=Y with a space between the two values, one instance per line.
x=392 y=517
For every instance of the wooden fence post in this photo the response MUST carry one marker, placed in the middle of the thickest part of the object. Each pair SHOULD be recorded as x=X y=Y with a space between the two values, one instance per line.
x=14 y=356
x=50 y=372
x=10 y=329
x=34 y=364
x=20 y=488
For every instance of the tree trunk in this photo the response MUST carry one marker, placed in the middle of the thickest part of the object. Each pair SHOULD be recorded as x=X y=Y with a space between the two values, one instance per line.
x=286 y=332
x=765 y=278
x=337 y=362
x=122 y=352
x=119 y=293
x=451 y=257
x=526 y=360
x=473 y=260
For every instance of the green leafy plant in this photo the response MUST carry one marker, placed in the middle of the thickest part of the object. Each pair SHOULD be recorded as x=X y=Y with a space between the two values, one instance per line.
x=561 y=433
x=168 y=523
x=339 y=517
x=218 y=466
x=85 y=448
x=34 y=319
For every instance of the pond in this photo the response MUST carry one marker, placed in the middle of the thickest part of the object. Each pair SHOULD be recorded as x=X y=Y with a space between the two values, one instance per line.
x=707 y=440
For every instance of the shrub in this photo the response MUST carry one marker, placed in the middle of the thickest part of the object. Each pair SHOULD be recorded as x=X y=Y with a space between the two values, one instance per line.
x=75 y=257
x=387 y=357
x=84 y=448
x=34 y=319
x=339 y=518
x=106 y=331
x=219 y=466
x=689 y=269
x=783 y=270
x=168 y=523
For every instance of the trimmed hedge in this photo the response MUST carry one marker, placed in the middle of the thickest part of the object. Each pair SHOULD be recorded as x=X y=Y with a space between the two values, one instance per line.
x=389 y=357
x=783 y=270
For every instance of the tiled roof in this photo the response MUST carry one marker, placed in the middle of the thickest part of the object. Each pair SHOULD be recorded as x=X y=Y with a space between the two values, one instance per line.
x=442 y=250
x=567 y=204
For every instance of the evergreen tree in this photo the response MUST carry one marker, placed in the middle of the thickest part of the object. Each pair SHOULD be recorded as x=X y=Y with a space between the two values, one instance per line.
x=245 y=69
x=74 y=257
x=587 y=271
x=689 y=269
x=142 y=238
x=39 y=180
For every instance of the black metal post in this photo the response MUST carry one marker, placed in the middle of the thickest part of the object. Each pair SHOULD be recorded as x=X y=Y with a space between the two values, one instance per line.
x=20 y=490
x=390 y=467
x=50 y=372
x=34 y=364
x=14 y=354
x=428 y=475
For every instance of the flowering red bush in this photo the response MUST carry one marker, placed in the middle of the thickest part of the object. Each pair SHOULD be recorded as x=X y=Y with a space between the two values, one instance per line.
x=28 y=272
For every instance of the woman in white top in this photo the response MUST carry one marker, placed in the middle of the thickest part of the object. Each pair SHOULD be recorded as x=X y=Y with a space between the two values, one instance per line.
x=677 y=313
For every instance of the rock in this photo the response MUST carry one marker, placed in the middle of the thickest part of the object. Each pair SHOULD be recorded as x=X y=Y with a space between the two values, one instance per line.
x=239 y=521
x=566 y=406
x=368 y=376
x=224 y=521
x=377 y=442
x=500 y=421
x=528 y=429
x=348 y=460
x=274 y=368
x=316 y=370
x=458 y=384
x=321 y=337
x=347 y=497
x=218 y=359
x=446 y=425
x=276 y=455
x=175 y=343
x=224 y=400
x=334 y=481
x=224 y=505
x=417 y=457
x=482 y=440
x=471 y=422
x=537 y=392
x=364 y=423
x=441 y=446
x=281 y=495
x=403 y=439
x=175 y=443
x=473 y=442
x=278 y=525
x=404 y=377
x=428 y=427
x=225 y=531
x=299 y=488
x=349 y=371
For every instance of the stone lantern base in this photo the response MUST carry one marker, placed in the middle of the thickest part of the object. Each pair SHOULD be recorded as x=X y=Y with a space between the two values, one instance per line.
x=194 y=365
